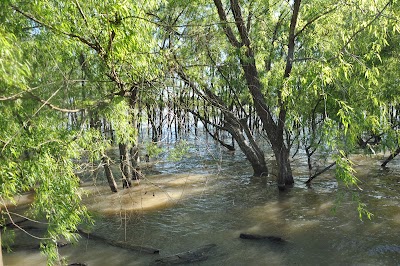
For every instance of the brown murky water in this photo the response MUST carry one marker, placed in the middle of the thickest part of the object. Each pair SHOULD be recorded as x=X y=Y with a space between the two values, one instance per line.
x=213 y=200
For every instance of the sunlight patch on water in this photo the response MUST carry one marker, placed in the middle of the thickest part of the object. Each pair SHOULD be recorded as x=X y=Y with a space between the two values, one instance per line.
x=152 y=193
x=24 y=258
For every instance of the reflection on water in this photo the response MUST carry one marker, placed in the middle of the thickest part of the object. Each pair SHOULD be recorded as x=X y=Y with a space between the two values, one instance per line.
x=229 y=202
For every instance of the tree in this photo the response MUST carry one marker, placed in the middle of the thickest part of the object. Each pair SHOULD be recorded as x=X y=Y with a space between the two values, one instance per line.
x=294 y=59
x=35 y=155
x=51 y=109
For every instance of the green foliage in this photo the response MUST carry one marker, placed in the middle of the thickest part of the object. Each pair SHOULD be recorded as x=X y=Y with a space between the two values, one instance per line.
x=361 y=207
x=153 y=149
x=120 y=114
x=345 y=174
x=88 y=59
x=344 y=170
x=180 y=150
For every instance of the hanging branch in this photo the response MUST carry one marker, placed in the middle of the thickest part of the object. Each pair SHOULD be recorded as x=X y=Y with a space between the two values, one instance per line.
x=52 y=106
x=215 y=135
x=94 y=46
x=315 y=19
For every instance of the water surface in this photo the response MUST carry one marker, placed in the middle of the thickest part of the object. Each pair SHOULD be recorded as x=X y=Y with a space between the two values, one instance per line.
x=225 y=201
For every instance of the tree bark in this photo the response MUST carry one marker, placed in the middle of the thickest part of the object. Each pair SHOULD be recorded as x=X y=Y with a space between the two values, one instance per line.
x=136 y=173
x=134 y=151
x=109 y=175
x=275 y=130
x=391 y=157
x=250 y=148
x=235 y=127
x=125 y=165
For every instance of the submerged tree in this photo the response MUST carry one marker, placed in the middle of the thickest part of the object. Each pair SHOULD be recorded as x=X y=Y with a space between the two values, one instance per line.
x=294 y=60
x=306 y=73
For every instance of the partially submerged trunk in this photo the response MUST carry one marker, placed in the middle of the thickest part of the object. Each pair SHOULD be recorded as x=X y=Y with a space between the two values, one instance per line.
x=237 y=127
x=125 y=165
x=191 y=256
x=109 y=175
x=134 y=150
x=136 y=173
x=275 y=128
x=284 y=175
x=248 y=146
x=273 y=239
x=391 y=157
x=119 y=244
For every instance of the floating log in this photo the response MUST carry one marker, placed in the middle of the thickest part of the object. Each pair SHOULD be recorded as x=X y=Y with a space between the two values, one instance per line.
x=13 y=224
x=195 y=255
x=383 y=249
x=127 y=245
x=120 y=244
x=32 y=245
x=77 y=264
x=274 y=239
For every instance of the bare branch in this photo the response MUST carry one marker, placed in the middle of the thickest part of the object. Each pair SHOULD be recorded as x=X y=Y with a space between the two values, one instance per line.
x=52 y=106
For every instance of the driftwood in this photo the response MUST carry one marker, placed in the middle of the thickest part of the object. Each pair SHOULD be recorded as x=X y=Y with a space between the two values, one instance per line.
x=120 y=244
x=77 y=264
x=198 y=254
x=383 y=249
x=13 y=224
x=32 y=245
x=125 y=245
x=273 y=239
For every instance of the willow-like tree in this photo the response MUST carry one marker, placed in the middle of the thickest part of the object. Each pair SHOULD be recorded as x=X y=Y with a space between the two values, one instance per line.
x=66 y=64
x=294 y=58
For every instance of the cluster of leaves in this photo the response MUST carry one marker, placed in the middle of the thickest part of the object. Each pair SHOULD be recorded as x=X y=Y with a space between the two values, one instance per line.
x=46 y=103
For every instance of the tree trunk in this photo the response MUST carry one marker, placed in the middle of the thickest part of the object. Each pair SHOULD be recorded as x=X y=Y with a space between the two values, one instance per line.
x=136 y=173
x=250 y=148
x=285 y=176
x=109 y=174
x=391 y=157
x=125 y=165
x=274 y=129
x=235 y=127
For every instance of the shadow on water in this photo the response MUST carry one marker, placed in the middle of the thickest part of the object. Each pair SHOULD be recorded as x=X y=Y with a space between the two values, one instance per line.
x=222 y=202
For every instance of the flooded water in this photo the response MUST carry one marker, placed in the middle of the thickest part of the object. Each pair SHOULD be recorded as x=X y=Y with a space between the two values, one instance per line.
x=218 y=200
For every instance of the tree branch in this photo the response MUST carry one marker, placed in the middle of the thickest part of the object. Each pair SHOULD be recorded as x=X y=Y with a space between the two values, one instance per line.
x=52 y=106
x=315 y=19
x=320 y=172
x=95 y=46
x=379 y=14
x=227 y=29
x=240 y=25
